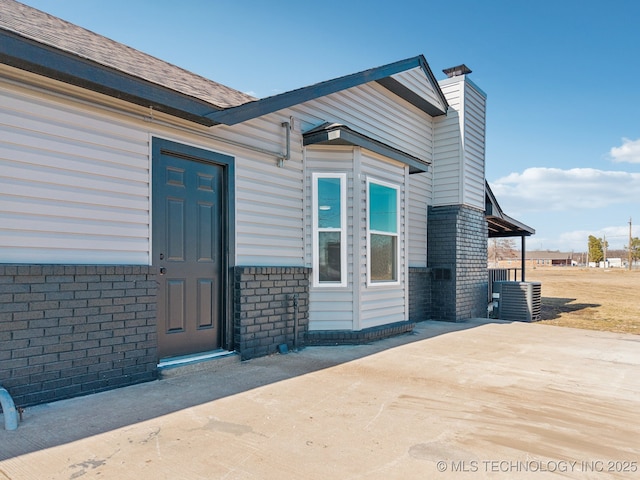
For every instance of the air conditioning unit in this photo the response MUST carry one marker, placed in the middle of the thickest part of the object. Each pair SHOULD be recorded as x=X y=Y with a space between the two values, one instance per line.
x=518 y=301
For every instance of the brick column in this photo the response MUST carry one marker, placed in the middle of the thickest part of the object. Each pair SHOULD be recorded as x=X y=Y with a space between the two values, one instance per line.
x=265 y=311
x=472 y=274
x=457 y=256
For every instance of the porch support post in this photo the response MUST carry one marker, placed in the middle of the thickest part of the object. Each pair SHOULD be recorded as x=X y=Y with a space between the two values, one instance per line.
x=523 y=253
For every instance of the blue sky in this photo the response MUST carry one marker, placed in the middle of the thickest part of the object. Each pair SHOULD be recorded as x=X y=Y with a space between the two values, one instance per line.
x=561 y=76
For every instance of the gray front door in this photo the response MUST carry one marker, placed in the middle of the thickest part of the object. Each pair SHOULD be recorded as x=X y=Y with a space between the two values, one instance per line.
x=188 y=247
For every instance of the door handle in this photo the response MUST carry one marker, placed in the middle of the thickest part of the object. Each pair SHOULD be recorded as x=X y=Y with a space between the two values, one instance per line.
x=163 y=270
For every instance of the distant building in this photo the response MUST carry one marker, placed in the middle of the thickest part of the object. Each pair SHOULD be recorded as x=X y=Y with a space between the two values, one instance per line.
x=612 y=263
x=537 y=258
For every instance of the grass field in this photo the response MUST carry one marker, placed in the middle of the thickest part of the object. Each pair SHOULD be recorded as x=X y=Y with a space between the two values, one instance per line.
x=590 y=298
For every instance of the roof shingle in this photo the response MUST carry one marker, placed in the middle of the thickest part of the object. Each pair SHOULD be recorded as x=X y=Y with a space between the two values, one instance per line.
x=55 y=32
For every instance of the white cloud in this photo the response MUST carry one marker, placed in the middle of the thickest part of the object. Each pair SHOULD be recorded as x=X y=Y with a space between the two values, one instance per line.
x=552 y=189
x=629 y=152
x=577 y=240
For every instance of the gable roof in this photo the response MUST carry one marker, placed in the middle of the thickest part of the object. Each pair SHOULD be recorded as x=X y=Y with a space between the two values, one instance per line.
x=500 y=224
x=382 y=75
x=35 y=41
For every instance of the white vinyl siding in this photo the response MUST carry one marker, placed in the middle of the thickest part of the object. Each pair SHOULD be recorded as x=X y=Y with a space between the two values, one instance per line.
x=418 y=204
x=447 y=168
x=74 y=188
x=75 y=183
x=474 y=143
x=416 y=81
x=331 y=310
x=375 y=112
x=382 y=303
x=359 y=305
x=269 y=198
x=460 y=147
x=332 y=307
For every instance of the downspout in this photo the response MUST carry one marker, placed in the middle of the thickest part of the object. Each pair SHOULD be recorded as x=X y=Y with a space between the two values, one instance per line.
x=287 y=155
x=295 y=321
x=9 y=410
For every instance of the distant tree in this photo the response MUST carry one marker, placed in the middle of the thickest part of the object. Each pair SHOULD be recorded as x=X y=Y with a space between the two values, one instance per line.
x=596 y=252
x=502 y=249
x=635 y=248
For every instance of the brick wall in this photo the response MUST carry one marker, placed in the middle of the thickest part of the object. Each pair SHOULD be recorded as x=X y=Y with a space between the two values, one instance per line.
x=441 y=258
x=419 y=294
x=264 y=308
x=73 y=330
x=472 y=274
x=457 y=256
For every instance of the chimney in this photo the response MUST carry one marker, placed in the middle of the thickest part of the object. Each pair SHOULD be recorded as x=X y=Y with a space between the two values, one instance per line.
x=456 y=71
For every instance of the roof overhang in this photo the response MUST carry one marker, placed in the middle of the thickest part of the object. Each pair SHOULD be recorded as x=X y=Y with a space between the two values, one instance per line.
x=505 y=226
x=410 y=96
x=78 y=63
x=26 y=54
x=337 y=134
x=381 y=75
x=500 y=224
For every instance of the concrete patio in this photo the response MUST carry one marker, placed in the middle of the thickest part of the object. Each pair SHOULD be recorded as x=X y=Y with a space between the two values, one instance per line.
x=478 y=399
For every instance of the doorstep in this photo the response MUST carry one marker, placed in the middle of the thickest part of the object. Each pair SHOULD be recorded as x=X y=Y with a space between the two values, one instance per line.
x=186 y=364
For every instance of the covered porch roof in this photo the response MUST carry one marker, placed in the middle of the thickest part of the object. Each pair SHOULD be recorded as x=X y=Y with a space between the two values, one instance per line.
x=500 y=224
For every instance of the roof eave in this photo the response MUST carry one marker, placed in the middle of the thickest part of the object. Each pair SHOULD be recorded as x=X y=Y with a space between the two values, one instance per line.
x=29 y=55
x=343 y=135
x=381 y=75
x=500 y=224
x=506 y=226
x=36 y=57
x=410 y=96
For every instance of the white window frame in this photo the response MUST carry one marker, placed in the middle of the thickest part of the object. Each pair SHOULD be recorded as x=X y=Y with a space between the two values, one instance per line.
x=370 y=281
x=316 y=230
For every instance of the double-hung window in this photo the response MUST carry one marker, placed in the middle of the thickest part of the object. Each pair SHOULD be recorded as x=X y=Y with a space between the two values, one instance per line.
x=382 y=233
x=329 y=229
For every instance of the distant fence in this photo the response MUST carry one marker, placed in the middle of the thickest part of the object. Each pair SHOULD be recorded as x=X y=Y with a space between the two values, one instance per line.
x=503 y=275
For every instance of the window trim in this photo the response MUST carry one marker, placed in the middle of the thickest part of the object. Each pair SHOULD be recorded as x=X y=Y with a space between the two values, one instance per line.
x=315 y=176
x=397 y=188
